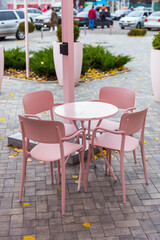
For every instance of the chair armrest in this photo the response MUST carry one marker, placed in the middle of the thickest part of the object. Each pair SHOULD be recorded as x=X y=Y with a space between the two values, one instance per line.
x=32 y=115
x=77 y=134
x=105 y=130
x=129 y=109
x=57 y=104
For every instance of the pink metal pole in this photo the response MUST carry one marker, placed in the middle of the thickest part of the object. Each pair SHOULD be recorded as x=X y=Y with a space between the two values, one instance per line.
x=68 y=61
x=26 y=39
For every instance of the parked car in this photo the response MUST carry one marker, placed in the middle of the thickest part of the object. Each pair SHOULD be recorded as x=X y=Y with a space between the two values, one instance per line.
x=120 y=13
x=134 y=19
x=153 y=21
x=32 y=13
x=59 y=14
x=9 y=23
x=83 y=19
x=43 y=20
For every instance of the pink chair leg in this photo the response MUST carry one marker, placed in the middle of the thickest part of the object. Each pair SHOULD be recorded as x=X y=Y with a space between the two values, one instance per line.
x=63 y=183
x=51 y=170
x=110 y=159
x=80 y=176
x=134 y=155
x=22 y=177
x=88 y=162
x=82 y=170
x=107 y=156
x=122 y=175
x=59 y=171
x=104 y=157
x=144 y=163
x=94 y=161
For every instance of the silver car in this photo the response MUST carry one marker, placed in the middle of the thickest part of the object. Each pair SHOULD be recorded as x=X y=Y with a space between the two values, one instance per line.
x=32 y=13
x=153 y=21
x=135 y=19
x=9 y=23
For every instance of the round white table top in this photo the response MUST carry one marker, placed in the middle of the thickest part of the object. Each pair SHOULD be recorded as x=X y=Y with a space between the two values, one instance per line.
x=84 y=111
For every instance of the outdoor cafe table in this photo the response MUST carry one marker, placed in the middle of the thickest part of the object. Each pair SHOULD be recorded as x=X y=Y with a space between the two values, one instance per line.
x=86 y=111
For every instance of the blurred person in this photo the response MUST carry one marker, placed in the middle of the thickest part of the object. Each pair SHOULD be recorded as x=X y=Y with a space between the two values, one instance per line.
x=103 y=8
x=45 y=9
x=102 y=18
x=48 y=7
x=53 y=20
x=92 y=16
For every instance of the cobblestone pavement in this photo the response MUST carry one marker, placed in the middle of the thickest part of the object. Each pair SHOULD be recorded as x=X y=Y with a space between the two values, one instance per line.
x=102 y=206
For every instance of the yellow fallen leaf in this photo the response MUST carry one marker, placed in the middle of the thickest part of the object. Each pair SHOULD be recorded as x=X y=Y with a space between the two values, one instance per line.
x=60 y=189
x=3 y=101
x=44 y=112
x=137 y=94
x=124 y=83
x=2 y=119
x=95 y=158
x=99 y=154
x=41 y=162
x=29 y=238
x=13 y=155
x=141 y=78
x=11 y=95
x=20 y=150
x=29 y=160
x=76 y=181
x=156 y=138
x=86 y=224
x=146 y=159
x=23 y=90
x=1 y=138
x=144 y=142
x=116 y=81
x=74 y=177
x=25 y=204
x=140 y=91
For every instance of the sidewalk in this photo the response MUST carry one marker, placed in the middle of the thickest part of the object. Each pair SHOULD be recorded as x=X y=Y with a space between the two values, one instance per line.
x=102 y=206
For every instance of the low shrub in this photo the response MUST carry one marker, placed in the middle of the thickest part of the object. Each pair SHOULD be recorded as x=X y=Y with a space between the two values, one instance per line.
x=100 y=58
x=76 y=32
x=31 y=27
x=41 y=62
x=137 y=32
x=156 y=41
x=15 y=58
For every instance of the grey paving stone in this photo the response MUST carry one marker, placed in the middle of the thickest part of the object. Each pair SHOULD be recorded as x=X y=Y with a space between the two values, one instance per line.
x=102 y=205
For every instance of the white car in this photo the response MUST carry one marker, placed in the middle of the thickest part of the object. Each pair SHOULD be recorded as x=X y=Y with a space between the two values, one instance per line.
x=32 y=13
x=135 y=19
x=153 y=21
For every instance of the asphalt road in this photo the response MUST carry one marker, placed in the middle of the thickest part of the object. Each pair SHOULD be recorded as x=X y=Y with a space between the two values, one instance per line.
x=116 y=30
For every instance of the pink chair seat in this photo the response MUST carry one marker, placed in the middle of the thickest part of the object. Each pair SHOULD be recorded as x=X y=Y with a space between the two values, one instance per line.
x=51 y=152
x=113 y=141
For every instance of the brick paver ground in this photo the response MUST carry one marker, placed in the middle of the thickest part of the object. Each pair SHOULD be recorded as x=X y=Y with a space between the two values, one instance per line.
x=102 y=206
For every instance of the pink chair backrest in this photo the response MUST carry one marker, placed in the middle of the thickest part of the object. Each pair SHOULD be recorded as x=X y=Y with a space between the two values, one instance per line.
x=37 y=102
x=133 y=122
x=122 y=98
x=41 y=130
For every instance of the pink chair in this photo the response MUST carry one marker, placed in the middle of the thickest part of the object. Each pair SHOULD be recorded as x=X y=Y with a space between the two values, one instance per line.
x=52 y=146
x=121 y=140
x=41 y=101
x=123 y=98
